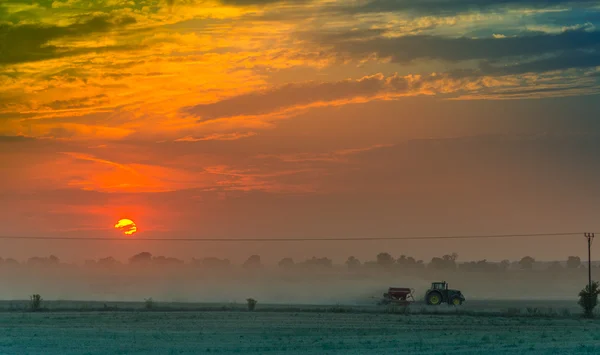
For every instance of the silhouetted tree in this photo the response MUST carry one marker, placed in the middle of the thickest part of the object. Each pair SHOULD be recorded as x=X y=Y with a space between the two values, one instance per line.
x=286 y=263
x=573 y=262
x=385 y=259
x=446 y=262
x=352 y=263
x=252 y=262
x=409 y=262
x=588 y=299
x=143 y=257
x=526 y=263
x=504 y=265
x=108 y=261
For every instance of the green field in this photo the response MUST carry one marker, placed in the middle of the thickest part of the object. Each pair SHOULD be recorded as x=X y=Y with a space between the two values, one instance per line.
x=289 y=332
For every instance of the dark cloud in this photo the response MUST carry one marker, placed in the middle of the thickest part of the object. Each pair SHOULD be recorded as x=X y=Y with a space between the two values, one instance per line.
x=452 y=7
x=526 y=52
x=568 y=60
x=408 y=48
x=29 y=42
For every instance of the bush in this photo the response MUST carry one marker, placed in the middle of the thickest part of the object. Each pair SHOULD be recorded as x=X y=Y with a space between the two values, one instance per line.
x=149 y=303
x=251 y=303
x=588 y=299
x=35 y=303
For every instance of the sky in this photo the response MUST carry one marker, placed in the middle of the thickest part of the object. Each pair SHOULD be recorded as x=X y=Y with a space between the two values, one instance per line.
x=299 y=118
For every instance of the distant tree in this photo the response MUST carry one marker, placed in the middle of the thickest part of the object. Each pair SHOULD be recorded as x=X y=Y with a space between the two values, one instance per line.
x=573 y=262
x=108 y=261
x=451 y=257
x=446 y=262
x=252 y=262
x=504 y=265
x=143 y=257
x=353 y=263
x=385 y=259
x=286 y=263
x=526 y=263
x=409 y=262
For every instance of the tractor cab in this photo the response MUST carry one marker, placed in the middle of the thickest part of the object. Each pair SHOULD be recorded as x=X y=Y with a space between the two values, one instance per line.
x=439 y=285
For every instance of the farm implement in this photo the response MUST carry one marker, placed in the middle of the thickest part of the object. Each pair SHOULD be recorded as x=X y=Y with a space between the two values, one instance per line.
x=438 y=293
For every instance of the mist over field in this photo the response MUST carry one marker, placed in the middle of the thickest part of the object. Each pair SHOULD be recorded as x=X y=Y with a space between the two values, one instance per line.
x=314 y=281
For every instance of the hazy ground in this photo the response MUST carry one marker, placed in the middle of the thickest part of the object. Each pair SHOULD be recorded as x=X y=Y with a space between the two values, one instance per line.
x=290 y=333
x=335 y=286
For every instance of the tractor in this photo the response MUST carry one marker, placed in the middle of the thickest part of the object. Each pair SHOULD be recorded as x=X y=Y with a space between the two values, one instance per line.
x=439 y=293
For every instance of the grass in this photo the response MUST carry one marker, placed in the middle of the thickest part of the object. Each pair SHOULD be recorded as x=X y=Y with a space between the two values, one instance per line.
x=149 y=305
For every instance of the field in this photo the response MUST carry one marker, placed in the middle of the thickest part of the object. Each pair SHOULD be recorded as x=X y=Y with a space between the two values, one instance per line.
x=299 y=312
x=78 y=328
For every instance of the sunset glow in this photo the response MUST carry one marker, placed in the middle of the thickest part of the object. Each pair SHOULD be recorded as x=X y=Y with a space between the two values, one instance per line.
x=337 y=118
x=126 y=226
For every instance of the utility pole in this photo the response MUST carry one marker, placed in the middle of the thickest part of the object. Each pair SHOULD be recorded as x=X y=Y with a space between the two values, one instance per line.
x=590 y=237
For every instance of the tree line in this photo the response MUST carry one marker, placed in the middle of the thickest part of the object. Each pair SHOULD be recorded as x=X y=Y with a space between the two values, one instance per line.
x=382 y=260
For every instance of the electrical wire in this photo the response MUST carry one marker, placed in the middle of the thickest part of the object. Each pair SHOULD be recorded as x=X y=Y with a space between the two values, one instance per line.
x=326 y=239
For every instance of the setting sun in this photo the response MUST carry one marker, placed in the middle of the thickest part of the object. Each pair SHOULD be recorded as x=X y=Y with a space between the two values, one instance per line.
x=126 y=226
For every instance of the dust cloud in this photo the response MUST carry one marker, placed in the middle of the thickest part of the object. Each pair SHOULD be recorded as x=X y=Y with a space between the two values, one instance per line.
x=291 y=284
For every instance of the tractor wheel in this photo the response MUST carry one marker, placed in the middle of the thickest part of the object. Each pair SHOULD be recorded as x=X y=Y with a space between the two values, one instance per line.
x=434 y=298
x=456 y=301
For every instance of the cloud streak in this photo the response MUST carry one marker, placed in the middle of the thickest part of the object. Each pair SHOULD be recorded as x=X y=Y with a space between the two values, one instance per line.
x=33 y=42
x=405 y=49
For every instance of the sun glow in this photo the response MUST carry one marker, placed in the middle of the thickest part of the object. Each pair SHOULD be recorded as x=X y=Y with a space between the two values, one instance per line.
x=126 y=226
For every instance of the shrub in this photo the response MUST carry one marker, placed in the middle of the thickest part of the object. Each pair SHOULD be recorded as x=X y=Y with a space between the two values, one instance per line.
x=588 y=299
x=251 y=303
x=35 y=303
x=148 y=303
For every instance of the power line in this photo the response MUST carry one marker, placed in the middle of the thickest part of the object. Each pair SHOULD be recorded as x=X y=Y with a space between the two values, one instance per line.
x=328 y=239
